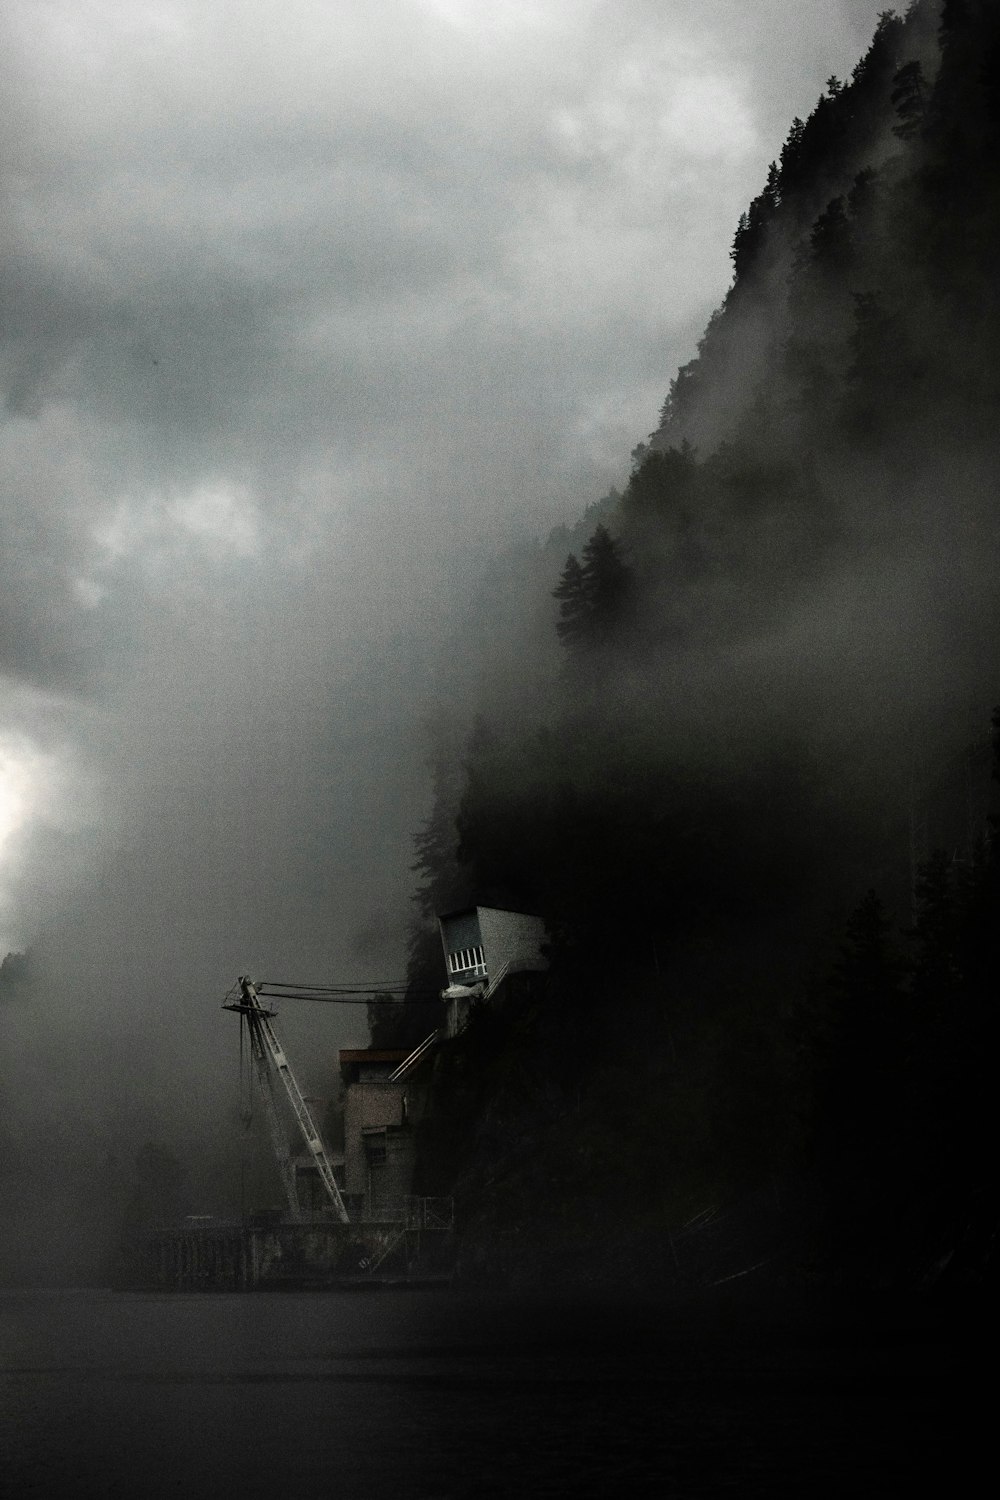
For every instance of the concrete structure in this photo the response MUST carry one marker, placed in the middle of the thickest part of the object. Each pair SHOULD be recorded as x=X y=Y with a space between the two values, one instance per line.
x=483 y=947
x=391 y=1234
x=385 y=1096
x=416 y=1246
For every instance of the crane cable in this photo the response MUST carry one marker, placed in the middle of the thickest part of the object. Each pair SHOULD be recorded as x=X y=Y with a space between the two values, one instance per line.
x=343 y=994
x=367 y=994
x=395 y=991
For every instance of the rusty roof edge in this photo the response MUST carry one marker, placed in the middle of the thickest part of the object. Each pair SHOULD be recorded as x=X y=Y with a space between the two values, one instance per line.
x=372 y=1054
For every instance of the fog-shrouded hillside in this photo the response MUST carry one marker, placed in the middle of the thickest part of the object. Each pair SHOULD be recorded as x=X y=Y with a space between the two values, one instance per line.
x=313 y=332
x=745 y=773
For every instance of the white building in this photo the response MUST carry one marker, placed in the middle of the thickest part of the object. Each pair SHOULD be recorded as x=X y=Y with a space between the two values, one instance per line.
x=483 y=947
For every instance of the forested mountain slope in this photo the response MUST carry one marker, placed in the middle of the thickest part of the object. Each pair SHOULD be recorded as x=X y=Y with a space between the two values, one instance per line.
x=763 y=691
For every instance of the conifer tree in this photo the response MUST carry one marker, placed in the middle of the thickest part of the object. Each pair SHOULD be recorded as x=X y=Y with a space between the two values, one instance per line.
x=606 y=580
x=571 y=591
x=664 y=486
x=752 y=227
x=909 y=99
x=830 y=239
x=592 y=594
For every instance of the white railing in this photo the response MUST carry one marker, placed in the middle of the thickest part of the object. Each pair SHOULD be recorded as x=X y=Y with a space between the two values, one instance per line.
x=497 y=979
x=414 y=1058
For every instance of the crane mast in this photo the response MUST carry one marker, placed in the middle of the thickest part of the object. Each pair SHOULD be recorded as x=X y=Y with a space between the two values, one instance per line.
x=270 y=1060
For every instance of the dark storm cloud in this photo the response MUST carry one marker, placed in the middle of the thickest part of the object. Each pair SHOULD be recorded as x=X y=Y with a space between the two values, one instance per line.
x=217 y=205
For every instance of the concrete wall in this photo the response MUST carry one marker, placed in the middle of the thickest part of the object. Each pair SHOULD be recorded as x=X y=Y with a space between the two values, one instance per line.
x=379 y=1120
x=372 y=1105
x=508 y=938
x=392 y=1181
x=511 y=938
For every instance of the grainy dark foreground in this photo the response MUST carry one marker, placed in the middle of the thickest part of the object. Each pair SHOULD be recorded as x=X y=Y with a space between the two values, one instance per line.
x=431 y=1394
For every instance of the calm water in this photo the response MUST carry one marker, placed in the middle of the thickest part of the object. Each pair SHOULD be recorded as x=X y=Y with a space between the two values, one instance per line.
x=403 y=1394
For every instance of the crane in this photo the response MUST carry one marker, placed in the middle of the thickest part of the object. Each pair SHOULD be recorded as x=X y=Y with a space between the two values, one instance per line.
x=269 y=1059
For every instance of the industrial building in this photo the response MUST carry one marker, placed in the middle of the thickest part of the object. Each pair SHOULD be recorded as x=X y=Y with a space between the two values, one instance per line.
x=486 y=951
x=485 y=947
x=385 y=1097
x=354 y=1216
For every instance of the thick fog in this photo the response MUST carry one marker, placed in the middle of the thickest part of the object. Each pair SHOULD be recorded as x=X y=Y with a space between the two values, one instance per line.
x=307 y=312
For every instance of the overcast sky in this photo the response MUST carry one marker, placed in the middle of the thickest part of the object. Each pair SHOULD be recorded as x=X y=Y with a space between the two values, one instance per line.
x=302 y=304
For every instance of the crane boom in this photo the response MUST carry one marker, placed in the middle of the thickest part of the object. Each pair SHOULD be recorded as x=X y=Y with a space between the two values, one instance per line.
x=269 y=1056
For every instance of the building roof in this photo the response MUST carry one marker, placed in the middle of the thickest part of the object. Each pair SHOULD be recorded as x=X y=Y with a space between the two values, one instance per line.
x=467 y=911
